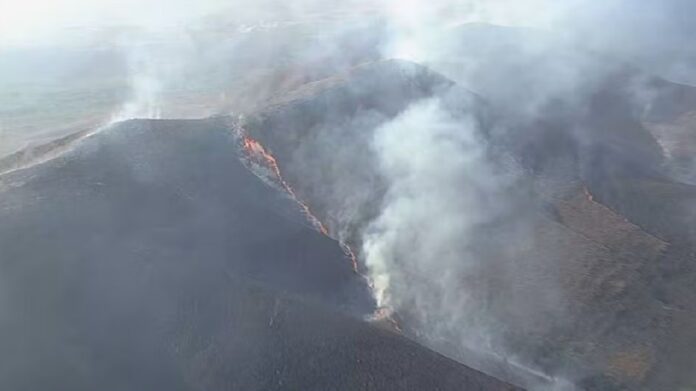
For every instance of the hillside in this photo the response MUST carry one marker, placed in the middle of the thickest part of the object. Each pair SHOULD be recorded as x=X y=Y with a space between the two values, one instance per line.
x=147 y=256
x=580 y=281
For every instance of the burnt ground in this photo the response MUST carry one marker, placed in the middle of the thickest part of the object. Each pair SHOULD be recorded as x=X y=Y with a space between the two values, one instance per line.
x=604 y=198
x=278 y=343
x=147 y=256
x=611 y=230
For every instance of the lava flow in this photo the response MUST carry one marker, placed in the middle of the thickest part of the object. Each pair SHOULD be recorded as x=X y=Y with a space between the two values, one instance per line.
x=256 y=152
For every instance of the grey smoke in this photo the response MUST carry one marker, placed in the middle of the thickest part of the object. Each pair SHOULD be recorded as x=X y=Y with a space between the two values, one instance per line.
x=444 y=190
x=420 y=152
x=451 y=235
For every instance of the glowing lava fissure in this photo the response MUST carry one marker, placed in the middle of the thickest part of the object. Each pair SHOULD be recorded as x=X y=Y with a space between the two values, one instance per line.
x=258 y=154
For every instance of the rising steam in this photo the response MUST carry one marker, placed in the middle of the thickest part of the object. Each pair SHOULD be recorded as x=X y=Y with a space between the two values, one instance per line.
x=421 y=251
x=420 y=152
x=428 y=250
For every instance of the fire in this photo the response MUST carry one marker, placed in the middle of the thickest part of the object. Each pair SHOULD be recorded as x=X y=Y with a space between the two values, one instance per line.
x=256 y=151
x=351 y=255
x=385 y=315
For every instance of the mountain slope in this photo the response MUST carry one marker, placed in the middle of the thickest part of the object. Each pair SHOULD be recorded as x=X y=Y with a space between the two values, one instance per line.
x=147 y=256
x=572 y=278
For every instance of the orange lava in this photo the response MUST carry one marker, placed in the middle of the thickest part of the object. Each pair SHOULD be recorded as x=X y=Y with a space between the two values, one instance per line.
x=351 y=255
x=257 y=152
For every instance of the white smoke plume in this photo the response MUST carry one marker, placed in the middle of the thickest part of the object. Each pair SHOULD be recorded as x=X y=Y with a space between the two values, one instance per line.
x=421 y=152
x=146 y=83
x=424 y=250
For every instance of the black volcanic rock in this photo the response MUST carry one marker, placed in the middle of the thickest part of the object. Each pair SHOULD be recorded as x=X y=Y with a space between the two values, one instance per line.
x=260 y=341
x=589 y=275
x=147 y=256
x=337 y=116
x=170 y=191
x=584 y=283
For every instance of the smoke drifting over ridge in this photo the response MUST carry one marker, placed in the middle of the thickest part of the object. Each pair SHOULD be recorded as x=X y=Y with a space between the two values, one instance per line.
x=420 y=152
x=453 y=232
x=423 y=250
x=167 y=54
x=452 y=245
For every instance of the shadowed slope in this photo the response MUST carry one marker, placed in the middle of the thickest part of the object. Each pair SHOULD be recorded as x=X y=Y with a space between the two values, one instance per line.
x=573 y=279
x=148 y=257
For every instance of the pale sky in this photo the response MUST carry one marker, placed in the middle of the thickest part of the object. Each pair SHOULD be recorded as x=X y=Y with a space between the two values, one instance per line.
x=657 y=33
x=47 y=22
x=26 y=22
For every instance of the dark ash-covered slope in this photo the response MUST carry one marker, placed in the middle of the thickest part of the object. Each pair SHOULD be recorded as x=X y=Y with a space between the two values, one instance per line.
x=148 y=257
x=337 y=116
x=578 y=277
x=170 y=191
